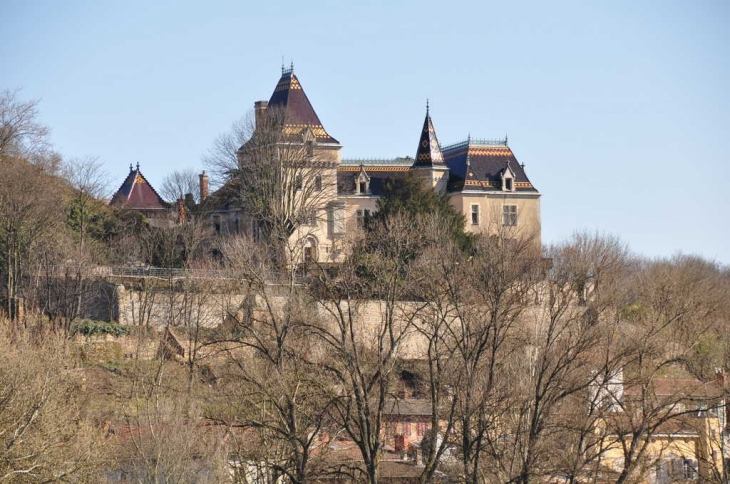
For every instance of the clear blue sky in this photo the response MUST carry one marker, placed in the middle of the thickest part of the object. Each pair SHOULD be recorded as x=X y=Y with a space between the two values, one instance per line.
x=619 y=109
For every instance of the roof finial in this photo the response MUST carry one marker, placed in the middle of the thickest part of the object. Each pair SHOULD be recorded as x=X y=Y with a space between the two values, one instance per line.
x=282 y=64
x=138 y=166
x=468 y=139
x=130 y=167
x=292 y=67
x=427 y=107
x=505 y=140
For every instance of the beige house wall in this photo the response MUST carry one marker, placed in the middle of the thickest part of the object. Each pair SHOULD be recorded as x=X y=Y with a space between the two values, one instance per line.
x=490 y=212
x=704 y=447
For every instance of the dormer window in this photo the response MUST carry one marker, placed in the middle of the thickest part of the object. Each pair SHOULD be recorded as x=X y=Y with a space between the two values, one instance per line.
x=309 y=141
x=508 y=179
x=362 y=183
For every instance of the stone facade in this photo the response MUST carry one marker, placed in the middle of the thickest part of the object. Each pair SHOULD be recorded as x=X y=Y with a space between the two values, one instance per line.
x=482 y=178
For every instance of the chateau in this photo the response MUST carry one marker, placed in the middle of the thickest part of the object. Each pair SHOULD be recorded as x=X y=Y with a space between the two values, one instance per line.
x=482 y=179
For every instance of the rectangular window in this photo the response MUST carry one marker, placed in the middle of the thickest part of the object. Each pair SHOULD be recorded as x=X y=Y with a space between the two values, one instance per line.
x=361 y=217
x=508 y=184
x=309 y=216
x=421 y=428
x=318 y=183
x=299 y=182
x=509 y=215
x=475 y=214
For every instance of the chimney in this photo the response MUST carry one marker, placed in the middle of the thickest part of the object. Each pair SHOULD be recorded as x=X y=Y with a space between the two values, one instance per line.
x=260 y=109
x=203 y=186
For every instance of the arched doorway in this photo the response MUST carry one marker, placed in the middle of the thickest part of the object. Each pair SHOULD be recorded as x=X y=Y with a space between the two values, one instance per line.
x=310 y=250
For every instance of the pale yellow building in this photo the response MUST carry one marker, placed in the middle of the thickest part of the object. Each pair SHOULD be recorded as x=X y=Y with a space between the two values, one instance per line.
x=680 y=423
x=482 y=179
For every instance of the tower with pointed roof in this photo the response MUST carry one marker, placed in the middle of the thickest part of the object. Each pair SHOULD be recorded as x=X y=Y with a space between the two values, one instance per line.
x=481 y=178
x=137 y=194
x=308 y=156
x=429 y=162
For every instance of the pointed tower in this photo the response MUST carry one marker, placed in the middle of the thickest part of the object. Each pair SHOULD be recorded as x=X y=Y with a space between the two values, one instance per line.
x=429 y=163
x=301 y=123
x=136 y=193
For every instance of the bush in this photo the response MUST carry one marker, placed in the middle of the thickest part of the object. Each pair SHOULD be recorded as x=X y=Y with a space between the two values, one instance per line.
x=89 y=327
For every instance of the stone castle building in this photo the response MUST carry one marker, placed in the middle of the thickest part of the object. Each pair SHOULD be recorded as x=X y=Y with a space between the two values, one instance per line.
x=482 y=179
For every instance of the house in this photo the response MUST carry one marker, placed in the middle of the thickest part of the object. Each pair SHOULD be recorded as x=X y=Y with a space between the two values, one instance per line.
x=482 y=179
x=681 y=423
x=406 y=422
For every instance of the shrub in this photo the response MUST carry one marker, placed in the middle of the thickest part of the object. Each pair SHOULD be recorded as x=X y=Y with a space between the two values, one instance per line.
x=89 y=327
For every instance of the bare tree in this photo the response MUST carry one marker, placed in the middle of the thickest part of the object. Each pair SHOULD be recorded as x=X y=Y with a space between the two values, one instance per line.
x=21 y=135
x=45 y=435
x=272 y=389
x=364 y=327
x=278 y=179
x=179 y=184
x=27 y=214
x=164 y=438
x=90 y=184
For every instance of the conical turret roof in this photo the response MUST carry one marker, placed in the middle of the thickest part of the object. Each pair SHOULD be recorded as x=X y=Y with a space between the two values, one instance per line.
x=136 y=193
x=429 y=150
x=299 y=115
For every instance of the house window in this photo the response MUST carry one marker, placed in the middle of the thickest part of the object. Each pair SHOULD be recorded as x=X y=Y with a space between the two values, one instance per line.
x=362 y=187
x=309 y=216
x=688 y=470
x=299 y=182
x=421 y=429
x=318 y=183
x=361 y=218
x=508 y=184
x=475 y=214
x=509 y=215
x=310 y=250
x=310 y=148
x=406 y=428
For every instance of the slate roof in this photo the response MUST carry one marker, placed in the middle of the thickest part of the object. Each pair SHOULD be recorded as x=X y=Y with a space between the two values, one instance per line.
x=428 y=153
x=379 y=171
x=479 y=164
x=298 y=111
x=136 y=193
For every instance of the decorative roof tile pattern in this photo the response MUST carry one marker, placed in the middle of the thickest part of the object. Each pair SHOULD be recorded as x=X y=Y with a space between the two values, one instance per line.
x=480 y=164
x=429 y=151
x=379 y=172
x=298 y=111
x=136 y=193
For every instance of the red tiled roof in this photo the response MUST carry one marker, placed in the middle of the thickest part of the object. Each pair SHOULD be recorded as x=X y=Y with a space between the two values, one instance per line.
x=136 y=193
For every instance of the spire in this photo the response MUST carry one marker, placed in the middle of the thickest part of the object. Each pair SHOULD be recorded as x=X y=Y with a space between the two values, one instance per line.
x=299 y=115
x=429 y=150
